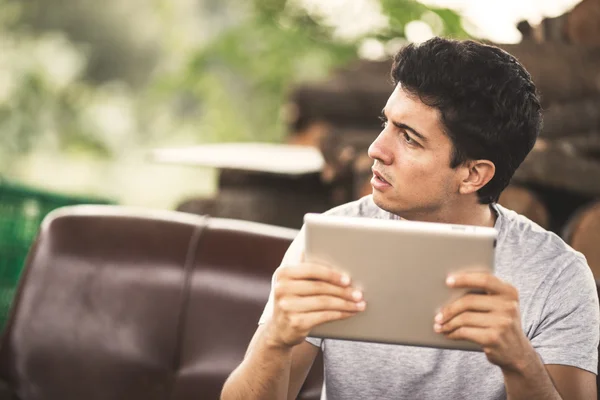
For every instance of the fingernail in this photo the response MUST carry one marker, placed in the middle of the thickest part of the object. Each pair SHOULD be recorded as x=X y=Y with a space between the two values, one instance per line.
x=450 y=280
x=439 y=317
x=357 y=295
x=437 y=327
x=345 y=279
x=361 y=305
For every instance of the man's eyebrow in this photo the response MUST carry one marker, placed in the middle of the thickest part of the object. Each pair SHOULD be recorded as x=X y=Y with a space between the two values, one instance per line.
x=404 y=126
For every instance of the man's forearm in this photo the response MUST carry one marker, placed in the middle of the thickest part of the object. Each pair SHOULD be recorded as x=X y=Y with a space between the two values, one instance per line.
x=531 y=382
x=264 y=374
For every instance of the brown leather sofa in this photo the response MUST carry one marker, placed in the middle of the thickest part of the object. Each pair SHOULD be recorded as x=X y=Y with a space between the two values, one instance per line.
x=116 y=303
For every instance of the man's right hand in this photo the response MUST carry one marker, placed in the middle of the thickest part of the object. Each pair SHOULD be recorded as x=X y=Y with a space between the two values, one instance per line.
x=307 y=295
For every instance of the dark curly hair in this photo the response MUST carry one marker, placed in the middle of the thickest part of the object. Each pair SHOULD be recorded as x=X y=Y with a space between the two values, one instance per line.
x=488 y=103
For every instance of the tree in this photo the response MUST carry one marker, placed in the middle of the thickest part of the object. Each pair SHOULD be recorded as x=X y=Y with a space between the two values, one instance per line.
x=241 y=79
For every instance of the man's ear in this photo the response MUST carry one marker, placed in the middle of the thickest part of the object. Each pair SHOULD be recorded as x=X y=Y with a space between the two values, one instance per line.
x=478 y=174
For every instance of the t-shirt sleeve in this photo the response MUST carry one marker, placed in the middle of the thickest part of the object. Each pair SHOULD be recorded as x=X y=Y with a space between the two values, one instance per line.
x=292 y=257
x=569 y=326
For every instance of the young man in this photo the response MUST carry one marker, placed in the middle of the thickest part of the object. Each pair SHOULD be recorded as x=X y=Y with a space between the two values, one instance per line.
x=461 y=119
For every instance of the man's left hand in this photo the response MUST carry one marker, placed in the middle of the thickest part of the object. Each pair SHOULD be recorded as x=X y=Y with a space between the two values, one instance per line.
x=491 y=320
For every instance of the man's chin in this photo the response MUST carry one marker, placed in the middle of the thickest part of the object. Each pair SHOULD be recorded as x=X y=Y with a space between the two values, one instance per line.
x=381 y=201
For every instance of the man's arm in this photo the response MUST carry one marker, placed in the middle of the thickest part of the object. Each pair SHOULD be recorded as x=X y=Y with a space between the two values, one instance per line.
x=270 y=372
x=550 y=382
x=573 y=383
x=279 y=358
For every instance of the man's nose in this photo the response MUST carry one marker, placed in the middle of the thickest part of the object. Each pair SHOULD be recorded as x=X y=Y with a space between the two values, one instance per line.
x=379 y=151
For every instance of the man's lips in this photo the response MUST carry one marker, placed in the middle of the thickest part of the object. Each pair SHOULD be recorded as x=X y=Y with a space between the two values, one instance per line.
x=379 y=176
x=378 y=181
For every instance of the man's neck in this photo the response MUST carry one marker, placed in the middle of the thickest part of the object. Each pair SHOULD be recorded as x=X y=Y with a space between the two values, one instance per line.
x=479 y=215
x=472 y=214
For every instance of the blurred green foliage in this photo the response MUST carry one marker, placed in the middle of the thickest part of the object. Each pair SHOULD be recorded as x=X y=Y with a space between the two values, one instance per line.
x=242 y=77
x=77 y=76
x=45 y=100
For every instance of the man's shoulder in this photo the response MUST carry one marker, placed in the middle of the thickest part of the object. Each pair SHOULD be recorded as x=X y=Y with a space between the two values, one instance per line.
x=363 y=207
x=535 y=251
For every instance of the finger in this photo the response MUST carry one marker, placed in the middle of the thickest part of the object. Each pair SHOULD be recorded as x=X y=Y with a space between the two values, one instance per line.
x=313 y=288
x=482 y=336
x=315 y=272
x=313 y=319
x=479 y=280
x=469 y=302
x=319 y=303
x=470 y=319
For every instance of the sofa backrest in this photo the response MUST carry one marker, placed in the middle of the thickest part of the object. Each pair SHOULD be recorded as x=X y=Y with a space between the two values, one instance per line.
x=117 y=303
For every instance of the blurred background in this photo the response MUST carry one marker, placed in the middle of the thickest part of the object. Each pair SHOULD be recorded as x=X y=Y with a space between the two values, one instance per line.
x=263 y=109
x=259 y=110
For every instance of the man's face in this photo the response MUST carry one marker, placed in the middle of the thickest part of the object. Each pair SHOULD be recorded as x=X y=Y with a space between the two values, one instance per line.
x=412 y=156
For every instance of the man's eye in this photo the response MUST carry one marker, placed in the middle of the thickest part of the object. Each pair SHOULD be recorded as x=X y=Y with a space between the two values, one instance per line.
x=408 y=139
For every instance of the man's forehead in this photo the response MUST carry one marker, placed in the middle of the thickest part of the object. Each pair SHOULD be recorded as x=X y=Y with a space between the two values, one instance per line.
x=402 y=101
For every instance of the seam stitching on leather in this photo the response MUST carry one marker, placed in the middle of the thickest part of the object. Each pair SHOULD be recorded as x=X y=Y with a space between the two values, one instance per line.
x=185 y=295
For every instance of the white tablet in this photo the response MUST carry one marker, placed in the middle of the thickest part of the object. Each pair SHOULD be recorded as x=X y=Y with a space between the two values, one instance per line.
x=401 y=266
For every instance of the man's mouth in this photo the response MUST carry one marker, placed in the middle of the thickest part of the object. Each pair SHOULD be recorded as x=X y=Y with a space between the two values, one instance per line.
x=379 y=177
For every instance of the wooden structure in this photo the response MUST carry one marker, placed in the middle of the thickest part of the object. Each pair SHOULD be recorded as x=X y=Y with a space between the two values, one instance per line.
x=273 y=184
x=579 y=25
x=583 y=233
x=525 y=202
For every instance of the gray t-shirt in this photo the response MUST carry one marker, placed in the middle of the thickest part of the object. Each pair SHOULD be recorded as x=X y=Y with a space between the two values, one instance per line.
x=559 y=310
